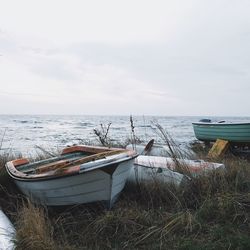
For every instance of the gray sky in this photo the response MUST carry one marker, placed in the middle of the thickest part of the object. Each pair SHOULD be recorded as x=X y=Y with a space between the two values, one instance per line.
x=151 y=57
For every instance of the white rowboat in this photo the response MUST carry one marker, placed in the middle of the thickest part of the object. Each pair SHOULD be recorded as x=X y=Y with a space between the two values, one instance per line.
x=82 y=174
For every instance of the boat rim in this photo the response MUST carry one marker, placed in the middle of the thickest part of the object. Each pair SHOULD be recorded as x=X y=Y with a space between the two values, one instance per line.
x=221 y=124
x=65 y=175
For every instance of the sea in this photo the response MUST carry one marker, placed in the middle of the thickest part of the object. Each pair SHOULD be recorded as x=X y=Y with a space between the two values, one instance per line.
x=28 y=135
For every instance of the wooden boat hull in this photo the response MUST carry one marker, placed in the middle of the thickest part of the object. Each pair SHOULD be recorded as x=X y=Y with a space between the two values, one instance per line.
x=233 y=132
x=73 y=179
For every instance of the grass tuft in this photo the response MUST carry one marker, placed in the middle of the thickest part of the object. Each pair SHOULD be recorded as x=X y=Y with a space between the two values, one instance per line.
x=34 y=229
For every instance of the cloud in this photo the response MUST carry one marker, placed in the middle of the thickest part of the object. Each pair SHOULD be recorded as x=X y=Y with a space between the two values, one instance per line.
x=64 y=22
x=189 y=56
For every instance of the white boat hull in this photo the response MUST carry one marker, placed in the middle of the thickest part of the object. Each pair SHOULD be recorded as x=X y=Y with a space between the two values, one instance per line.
x=155 y=174
x=86 y=187
x=164 y=169
x=7 y=233
x=81 y=174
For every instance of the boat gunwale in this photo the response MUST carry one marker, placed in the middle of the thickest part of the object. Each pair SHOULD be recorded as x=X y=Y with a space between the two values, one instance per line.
x=220 y=124
x=64 y=175
x=54 y=174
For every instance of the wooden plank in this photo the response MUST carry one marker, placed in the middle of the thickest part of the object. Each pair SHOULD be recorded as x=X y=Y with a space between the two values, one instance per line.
x=219 y=148
x=64 y=164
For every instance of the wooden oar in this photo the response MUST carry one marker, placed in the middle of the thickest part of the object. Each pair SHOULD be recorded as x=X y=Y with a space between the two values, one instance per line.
x=148 y=147
x=50 y=166
x=79 y=161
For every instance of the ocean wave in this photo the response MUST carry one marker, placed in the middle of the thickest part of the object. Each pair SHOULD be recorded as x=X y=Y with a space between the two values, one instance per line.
x=85 y=124
x=21 y=121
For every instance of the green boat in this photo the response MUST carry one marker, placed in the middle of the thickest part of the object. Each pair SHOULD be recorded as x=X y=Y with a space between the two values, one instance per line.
x=206 y=130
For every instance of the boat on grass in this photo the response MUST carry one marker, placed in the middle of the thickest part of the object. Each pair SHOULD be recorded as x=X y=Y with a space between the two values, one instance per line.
x=81 y=174
x=207 y=130
x=169 y=170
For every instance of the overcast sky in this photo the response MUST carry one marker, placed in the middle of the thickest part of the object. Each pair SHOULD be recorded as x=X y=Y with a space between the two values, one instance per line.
x=121 y=57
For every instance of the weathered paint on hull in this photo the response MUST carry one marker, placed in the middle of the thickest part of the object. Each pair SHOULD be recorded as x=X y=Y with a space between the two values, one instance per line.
x=233 y=132
x=93 y=186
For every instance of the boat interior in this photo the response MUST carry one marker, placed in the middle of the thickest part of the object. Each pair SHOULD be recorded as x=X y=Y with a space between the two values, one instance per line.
x=70 y=156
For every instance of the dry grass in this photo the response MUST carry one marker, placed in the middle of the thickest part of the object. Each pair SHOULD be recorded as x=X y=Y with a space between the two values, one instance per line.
x=211 y=212
x=34 y=230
